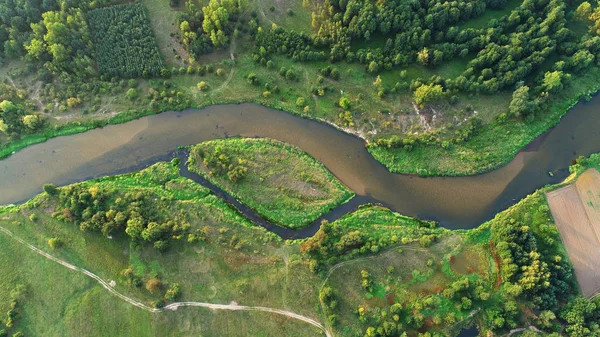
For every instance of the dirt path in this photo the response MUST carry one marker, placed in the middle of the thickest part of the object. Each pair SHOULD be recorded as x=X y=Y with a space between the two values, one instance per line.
x=230 y=76
x=172 y=306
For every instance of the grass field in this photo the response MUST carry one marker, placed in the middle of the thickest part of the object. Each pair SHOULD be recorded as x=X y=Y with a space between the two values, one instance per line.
x=282 y=183
x=409 y=274
x=233 y=261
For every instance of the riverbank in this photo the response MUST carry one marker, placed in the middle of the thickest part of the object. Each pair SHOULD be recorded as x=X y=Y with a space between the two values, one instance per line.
x=491 y=148
x=388 y=258
x=494 y=145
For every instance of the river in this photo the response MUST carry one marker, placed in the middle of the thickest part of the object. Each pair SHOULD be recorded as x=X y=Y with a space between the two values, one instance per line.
x=456 y=202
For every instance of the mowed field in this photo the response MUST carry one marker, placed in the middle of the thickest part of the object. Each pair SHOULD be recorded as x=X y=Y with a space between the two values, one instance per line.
x=576 y=210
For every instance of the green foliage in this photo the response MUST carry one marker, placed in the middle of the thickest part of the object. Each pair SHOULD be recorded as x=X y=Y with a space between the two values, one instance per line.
x=582 y=316
x=353 y=234
x=50 y=189
x=96 y=206
x=124 y=43
x=173 y=293
x=532 y=259
x=203 y=86
x=11 y=116
x=345 y=103
x=216 y=19
x=280 y=182
x=132 y=94
x=428 y=93
x=55 y=243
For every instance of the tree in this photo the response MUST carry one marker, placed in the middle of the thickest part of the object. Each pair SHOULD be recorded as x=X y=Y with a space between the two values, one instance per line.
x=428 y=93
x=173 y=292
x=33 y=122
x=423 y=56
x=584 y=11
x=132 y=94
x=520 y=104
x=345 y=103
x=216 y=19
x=377 y=82
x=253 y=79
x=203 y=86
x=373 y=67
x=50 y=189
x=55 y=243
x=553 y=81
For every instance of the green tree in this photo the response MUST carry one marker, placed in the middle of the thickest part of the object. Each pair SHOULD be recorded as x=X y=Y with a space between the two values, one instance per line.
x=520 y=104
x=50 y=189
x=584 y=11
x=132 y=94
x=55 y=243
x=345 y=103
x=33 y=122
x=428 y=93
x=553 y=81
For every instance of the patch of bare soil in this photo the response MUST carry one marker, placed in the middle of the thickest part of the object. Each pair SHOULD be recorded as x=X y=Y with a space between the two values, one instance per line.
x=576 y=211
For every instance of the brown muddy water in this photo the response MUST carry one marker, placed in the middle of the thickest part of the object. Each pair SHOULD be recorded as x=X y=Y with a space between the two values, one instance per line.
x=456 y=202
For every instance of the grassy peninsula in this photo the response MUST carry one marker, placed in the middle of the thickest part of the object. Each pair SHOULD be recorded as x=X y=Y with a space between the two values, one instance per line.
x=281 y=182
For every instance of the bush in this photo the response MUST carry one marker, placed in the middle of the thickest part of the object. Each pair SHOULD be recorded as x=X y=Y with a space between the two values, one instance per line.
x=50 y=189
x=34 y=217
x=132 y=94
x=55 y=243
x=220 y=72
x=253 y=79
x=173 y=293
x=153 y=285
x=203 y=86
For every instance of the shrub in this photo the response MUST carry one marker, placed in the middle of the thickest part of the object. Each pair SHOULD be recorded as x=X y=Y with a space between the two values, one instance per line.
x=173 y=293
x=253 y=79
x=220 y=72
x=153 y=285
x=34 y=217
x=50 y=189
x=33 y=122
x=203 y=86
x=55 y=243
x=132 y=94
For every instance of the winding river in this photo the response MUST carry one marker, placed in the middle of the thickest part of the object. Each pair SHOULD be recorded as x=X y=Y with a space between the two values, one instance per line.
x=456 y=202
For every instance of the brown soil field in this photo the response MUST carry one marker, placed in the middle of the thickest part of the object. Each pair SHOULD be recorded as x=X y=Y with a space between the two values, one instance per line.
x=576 y=211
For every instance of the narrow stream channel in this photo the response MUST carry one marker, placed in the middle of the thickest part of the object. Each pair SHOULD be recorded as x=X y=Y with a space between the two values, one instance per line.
x=456 y=202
